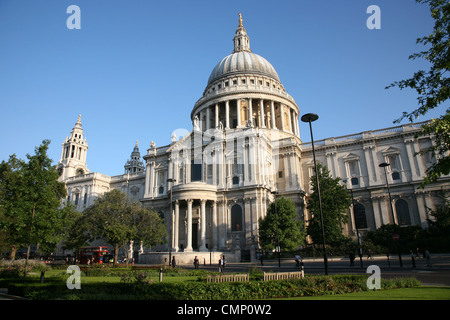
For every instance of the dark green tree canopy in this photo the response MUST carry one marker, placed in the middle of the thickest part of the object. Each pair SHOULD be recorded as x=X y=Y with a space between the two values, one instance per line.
x=30 y=200
x=335 y=203
x=281 y=225
x=117 y=220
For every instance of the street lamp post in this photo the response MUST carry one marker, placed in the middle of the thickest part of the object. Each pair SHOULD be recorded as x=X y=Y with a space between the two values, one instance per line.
x=384 y=165
x=311 y=117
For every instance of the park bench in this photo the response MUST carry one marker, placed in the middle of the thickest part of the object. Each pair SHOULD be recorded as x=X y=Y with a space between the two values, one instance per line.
x=283 y=275
x=227 y=278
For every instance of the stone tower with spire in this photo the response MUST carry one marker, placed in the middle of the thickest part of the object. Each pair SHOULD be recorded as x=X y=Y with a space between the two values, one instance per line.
x=135 y=163
x=73 y=153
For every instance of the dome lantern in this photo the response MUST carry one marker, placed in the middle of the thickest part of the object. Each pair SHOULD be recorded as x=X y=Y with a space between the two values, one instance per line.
x=241 y=39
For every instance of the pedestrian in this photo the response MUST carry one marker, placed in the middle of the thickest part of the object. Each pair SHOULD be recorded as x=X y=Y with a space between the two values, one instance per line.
x=369 y=254
x=417 y=253
x=174 y=264
x=221 y=264
x=196 y=262
x=412 y=259
x=298 y=260
x=261 y=258
x=428 y=257
x=352 y=258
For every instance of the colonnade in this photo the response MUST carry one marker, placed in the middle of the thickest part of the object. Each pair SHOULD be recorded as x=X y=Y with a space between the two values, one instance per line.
x=242 y=112
x=175 y=236
x=220 y=222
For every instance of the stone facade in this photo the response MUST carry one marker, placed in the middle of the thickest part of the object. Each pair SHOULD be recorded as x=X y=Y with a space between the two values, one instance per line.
x=213 y=184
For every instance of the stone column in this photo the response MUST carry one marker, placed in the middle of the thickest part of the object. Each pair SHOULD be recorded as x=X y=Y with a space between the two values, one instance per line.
x=176 y=228
x=214 y=230
x=216 y=115
x=250 y=111
x=261 y=110
x=283 y=125
x=207 y=117
x=189 y=226
x=273 y=118
x=238 y=112
x=203 y=225
x=227 y=114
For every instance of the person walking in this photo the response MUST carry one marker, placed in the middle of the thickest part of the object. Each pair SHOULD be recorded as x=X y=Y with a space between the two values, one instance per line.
x=428 y=257
x=298 y=260
x=196 y=262
x=352 y=259
x=174 y=264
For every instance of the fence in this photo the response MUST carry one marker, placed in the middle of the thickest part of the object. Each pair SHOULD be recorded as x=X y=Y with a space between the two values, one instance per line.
x=284 y=275
x=227 y=278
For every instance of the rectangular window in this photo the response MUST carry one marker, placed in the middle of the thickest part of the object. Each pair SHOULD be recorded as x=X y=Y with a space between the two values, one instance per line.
x=196 y=171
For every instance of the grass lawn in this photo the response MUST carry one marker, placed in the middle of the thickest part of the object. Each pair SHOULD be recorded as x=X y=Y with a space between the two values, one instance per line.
x=419 y=293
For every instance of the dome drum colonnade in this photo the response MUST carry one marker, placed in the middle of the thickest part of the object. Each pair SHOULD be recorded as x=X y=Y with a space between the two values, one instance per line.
x=244 y=90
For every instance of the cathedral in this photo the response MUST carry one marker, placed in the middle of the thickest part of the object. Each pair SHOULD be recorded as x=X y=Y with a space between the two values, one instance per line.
x=244 y=150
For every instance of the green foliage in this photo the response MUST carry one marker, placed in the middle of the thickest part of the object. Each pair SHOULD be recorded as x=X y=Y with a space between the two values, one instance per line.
x=117 y=220
x=30 y=197
x=138 y=286
x=281 y=225
x=335 y=203
x=433 y=87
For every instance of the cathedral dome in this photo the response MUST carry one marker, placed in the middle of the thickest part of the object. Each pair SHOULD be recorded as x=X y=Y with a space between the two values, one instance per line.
x=243 y=62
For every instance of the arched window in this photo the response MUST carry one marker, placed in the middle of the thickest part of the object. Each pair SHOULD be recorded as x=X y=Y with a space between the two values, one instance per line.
x=236 y=218
x=401 y=207
x=360 y=216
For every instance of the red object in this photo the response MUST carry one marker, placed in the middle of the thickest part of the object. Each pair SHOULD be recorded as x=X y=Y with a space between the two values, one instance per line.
x=90 y=255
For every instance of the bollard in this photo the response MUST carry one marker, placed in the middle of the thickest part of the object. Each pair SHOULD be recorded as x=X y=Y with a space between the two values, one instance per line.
x=160 y=275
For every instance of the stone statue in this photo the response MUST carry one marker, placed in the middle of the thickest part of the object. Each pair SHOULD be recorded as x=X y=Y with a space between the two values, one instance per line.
x=196 y=123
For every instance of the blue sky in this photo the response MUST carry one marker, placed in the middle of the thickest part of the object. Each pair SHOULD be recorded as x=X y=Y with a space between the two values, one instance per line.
x=136 y=68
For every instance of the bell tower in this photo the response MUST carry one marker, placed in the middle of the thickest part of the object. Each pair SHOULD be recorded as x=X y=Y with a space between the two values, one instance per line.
x=73 y=154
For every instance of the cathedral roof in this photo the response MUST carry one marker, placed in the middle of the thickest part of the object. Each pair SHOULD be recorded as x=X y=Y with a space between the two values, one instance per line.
x=242 y=60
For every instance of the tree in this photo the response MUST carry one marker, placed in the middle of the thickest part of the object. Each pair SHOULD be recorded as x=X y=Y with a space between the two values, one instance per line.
x=10 y=179
x=441 y=215
x=116 y=220
x=281 y=226
x=335 y=203
x=76 y=228
x=30 y=200
x=433 y=87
